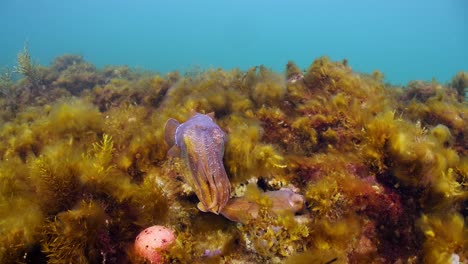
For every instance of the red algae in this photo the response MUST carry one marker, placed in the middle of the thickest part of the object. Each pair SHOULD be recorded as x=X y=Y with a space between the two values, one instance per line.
x=382 y=170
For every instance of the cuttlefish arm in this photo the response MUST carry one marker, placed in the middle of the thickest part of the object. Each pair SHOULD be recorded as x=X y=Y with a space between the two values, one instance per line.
x=200 y=143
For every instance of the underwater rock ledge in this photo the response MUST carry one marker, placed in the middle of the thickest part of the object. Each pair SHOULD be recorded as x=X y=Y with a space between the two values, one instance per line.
x=382 y=169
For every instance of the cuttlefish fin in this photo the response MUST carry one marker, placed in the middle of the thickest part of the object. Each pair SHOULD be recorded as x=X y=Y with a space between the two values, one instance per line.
x=174 y=151
x=169 y=131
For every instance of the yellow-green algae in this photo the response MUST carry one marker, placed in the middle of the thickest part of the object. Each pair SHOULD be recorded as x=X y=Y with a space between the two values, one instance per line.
x=83 y=164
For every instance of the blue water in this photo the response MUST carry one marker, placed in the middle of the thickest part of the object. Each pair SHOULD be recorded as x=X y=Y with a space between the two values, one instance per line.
x=404 y=39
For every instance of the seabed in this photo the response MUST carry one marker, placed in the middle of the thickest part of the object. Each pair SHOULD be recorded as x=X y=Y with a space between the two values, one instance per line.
x=84 y=167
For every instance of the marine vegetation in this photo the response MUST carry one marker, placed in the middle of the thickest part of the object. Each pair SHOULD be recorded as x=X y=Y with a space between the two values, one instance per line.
x=322 y=165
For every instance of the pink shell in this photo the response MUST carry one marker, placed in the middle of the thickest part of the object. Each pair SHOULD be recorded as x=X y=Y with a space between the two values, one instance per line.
x=150 y=243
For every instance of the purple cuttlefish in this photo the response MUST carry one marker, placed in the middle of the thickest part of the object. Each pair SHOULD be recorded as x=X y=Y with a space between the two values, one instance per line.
x=200 y=143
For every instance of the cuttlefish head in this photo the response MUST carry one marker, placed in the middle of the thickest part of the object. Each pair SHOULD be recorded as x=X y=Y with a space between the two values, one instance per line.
x=170 y=129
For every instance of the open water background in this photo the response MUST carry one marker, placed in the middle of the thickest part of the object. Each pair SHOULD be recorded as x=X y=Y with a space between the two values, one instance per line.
x=406 y=40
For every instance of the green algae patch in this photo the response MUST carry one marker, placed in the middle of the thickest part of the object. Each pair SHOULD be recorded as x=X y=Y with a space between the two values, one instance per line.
x=84 y=168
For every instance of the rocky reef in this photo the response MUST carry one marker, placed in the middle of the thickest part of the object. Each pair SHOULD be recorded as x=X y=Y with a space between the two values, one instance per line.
x=383 y=170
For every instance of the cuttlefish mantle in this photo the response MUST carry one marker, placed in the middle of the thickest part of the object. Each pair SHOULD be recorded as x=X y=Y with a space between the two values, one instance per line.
x=200 y=143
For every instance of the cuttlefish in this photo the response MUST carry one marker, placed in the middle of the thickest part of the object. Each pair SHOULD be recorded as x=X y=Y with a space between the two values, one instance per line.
x=283 y=201
x=200 y=143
